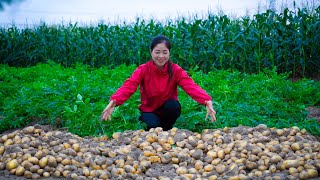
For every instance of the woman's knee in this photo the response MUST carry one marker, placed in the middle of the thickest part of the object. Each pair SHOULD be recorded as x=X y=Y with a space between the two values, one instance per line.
x=172 y=105
x=150 y=119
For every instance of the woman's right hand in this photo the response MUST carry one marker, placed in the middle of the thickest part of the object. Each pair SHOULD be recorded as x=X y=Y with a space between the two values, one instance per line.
x=106 y=113
x=210 y=111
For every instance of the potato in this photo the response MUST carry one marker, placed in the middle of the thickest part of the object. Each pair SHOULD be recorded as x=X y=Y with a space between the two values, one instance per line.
x=12 y=171
x=74 y=176
x=212 y=177
x=162 y=140
x=43 y=162
x=33 y=160
x=258 y=173
x=66 y=162
x=76 y=147
x=251 y=165
x=293 y=170
x=148 y=153
x=46 y=174
x=12 y=164
x=58 y=159
x=280 y=132
x=219 y=141
x=227 y=150
x=20 y=171
x=57 y=173
x=66 y=145
x=40 y=171
x=216 y=161
x=72 y=141
x=34 y=168
x=17 y=139
x=170 y=140
x=198 y=165
x=181 y=170
x=275 y=159
x=212 y=154
x=220 y=168
x=163 y=178
x=86 y=171
x=303 y=131
x=52 y=161
x=3 y=138
x=28 y=130
x=155 y=159
x=188 y=176
x=312 y=173
x=196 y=154
x=39 y=154
x=8 y=142
x=2 y=149
x=166 y=146
x=28 y=174
x=207 y=137
x=208 y=168
x=295 y=146
x=66 y=173
x=175 y=160
x=291 y=163
x=303 y=175
x=145 y=163
x=26 y=164
x=129 y=169
x=151 y=137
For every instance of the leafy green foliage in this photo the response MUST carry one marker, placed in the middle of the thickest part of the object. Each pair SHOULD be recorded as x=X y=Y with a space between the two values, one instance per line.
x=288 y=40
x=75 y=97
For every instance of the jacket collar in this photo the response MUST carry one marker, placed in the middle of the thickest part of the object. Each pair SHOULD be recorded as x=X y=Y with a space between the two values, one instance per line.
x=164 y=70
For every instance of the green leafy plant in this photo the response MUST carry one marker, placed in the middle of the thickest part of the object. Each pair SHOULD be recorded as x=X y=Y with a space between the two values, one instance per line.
x=75 y=98
x=287 y=40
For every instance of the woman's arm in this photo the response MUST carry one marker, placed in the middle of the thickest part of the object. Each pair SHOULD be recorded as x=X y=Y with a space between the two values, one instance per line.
x=123 y=93
x=128 y=87
x=195 y=92
x=191 y=88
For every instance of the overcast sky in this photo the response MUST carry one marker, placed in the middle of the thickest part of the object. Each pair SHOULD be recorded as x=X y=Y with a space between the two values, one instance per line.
x=115 y=11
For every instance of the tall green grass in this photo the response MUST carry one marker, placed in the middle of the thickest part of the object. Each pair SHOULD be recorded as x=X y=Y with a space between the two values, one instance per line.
x=288 y=40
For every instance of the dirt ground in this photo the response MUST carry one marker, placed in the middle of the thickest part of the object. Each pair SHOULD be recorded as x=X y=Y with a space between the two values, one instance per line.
x=314 y=112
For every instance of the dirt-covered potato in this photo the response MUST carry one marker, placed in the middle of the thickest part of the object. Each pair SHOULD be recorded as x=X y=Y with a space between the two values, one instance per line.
x=12 y=164
x=229 y=153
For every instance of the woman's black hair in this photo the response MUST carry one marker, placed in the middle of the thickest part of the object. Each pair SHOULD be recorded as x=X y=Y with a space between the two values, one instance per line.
x=163 y=39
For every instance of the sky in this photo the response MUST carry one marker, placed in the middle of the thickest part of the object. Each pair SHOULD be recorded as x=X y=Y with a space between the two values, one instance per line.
x=32 y=12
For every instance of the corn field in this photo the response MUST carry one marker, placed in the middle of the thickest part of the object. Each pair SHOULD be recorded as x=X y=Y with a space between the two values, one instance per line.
x=287 y=40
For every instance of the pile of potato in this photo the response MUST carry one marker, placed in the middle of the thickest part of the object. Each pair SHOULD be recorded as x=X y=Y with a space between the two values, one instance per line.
x=230 y=153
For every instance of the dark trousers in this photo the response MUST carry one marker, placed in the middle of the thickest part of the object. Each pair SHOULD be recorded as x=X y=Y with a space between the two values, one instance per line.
x=164 y=117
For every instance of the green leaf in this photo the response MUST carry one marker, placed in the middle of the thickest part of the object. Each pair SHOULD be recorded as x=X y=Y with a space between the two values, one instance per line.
x=68 y=109
x=87 y=101
x=79 y=97
x=75 y=108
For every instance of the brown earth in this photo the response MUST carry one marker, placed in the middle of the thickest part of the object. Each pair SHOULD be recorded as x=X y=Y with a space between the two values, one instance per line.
x=314 y=112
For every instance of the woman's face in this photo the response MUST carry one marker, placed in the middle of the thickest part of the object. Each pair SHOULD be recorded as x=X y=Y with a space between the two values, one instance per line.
x=160 y=55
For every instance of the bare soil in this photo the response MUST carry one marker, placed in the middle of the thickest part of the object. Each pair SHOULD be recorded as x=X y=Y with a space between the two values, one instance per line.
x=314 y=112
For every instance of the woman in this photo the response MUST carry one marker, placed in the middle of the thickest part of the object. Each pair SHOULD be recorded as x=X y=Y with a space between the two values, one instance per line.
x=158 y=80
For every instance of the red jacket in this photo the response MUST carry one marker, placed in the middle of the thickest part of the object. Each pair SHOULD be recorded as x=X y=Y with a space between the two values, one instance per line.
x=155 y=88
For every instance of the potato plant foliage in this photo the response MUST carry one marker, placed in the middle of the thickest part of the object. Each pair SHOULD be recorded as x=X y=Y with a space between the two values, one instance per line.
x=74 y=98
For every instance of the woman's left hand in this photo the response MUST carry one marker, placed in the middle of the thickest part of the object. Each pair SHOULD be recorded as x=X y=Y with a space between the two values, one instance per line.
x=210 y=111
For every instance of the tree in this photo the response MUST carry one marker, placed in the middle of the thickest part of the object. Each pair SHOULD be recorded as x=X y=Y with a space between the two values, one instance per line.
x=2 y=2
